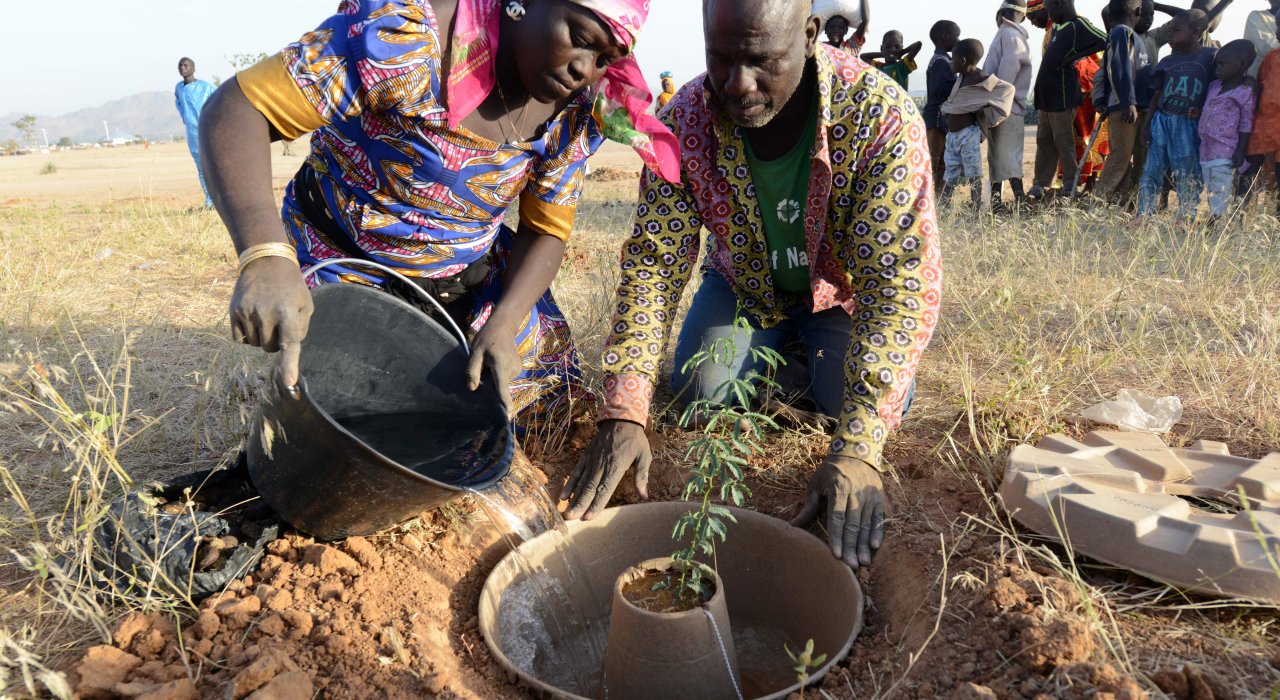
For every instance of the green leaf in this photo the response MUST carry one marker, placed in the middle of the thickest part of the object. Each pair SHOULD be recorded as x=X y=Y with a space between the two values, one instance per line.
x=717 y=529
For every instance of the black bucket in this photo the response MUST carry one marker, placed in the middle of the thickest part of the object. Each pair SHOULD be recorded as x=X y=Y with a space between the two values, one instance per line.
x=382 y=427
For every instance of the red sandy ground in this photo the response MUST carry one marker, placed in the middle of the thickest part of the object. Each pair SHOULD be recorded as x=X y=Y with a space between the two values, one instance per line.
x=395 y=616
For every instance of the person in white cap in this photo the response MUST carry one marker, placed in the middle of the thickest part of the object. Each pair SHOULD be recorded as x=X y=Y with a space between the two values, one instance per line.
x=1009 y=59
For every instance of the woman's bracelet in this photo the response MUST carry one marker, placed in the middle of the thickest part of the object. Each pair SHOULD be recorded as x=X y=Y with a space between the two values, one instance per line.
x=266 y=250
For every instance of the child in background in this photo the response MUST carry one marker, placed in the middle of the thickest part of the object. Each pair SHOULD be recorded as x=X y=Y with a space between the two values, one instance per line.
x=1010 y=60
x=894 y=60
x=1266 y=125
x=1088 y=123
x=979 y=103
x=1059 y=96
x=668 y=89
x=1121 y=95
x=941 y=81
x=1038 y=16
x=1173 y=118
x=1213 y=11
x=839 y=18
x=1146 y=20
x=1260 y=30
x=1226 y=123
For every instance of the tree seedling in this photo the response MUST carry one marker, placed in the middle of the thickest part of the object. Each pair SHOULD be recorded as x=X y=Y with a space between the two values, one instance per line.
x=804 y=663
x=730 y=433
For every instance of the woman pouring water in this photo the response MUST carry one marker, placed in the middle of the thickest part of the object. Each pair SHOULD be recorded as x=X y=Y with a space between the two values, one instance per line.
x=430 y=119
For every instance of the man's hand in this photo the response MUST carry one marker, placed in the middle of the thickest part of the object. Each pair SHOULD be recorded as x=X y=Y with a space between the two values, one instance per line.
x=855 y=508
x=494 y=348
x=1131 y=115
x=617 y=446
x=271 y=309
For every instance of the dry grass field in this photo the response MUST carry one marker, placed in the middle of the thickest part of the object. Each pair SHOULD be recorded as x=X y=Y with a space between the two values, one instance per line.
x=118 y=370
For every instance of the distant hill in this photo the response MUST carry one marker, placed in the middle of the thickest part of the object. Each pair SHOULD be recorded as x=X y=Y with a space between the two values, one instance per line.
x=146 y=114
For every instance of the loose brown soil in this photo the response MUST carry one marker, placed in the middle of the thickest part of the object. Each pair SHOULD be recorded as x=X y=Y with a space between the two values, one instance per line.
x=395 y=616
x=403 y=623
x=657 y=592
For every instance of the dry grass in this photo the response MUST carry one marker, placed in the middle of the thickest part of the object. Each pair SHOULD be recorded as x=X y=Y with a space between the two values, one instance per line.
x=1044 y=315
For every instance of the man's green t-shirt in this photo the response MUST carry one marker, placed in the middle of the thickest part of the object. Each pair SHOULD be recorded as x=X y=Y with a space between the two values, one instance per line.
x=782 y=188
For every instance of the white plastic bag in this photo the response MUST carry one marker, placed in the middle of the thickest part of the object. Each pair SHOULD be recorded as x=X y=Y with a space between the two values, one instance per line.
x=1135 y=412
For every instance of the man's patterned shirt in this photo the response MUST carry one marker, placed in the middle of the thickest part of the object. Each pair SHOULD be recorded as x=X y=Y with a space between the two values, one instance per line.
x=871 y=234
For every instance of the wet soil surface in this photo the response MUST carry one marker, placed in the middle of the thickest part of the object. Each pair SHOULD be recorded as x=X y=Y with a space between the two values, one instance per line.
x=952 y=612
x=657 y=591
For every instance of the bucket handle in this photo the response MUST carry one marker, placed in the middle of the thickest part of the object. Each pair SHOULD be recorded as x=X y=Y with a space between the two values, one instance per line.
x=462 y=338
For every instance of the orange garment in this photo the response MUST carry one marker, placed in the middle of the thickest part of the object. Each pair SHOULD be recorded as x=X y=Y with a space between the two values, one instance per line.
x=668 y=91
x=1266 y=125
x=1087 y=118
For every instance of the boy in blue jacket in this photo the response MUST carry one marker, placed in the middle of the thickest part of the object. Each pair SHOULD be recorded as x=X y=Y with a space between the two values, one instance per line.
x=1122 y=96
x=940 y=81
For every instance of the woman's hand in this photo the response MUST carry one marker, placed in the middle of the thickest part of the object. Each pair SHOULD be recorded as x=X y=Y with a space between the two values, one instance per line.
x=494 y=349
x=271 y=309
x=534 y=261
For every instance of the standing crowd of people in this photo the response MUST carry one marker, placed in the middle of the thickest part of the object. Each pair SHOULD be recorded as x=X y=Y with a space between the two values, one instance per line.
x=1116 y=122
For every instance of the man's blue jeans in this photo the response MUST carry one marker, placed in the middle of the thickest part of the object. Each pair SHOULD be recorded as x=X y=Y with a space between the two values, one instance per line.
x=825 y=337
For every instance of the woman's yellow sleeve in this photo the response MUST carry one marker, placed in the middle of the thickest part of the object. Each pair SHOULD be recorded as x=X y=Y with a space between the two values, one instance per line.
x=548 y=219
x=272 y=91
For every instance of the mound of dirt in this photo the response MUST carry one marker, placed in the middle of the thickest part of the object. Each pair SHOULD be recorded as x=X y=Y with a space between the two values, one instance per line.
x=395 y=616
x=1006 y=631
x=1017 y=635
x=355 y=620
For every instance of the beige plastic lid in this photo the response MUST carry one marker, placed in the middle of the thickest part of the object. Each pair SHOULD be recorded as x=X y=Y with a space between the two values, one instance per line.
x=1130 y=500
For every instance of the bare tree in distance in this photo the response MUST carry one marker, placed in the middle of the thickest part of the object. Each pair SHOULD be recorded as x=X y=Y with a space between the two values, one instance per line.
x=241 y=61
x=27 y=127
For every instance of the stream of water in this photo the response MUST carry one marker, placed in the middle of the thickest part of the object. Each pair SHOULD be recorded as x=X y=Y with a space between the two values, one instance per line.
x=550 y=620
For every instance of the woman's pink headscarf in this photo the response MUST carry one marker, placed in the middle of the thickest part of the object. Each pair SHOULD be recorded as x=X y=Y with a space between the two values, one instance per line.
x=622 y=100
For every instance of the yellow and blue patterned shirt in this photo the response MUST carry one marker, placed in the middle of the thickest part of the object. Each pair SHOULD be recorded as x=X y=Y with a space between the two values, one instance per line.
x=407 y=189
x=870 y=228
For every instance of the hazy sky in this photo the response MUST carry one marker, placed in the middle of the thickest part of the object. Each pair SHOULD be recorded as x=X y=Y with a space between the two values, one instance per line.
x=122 y=48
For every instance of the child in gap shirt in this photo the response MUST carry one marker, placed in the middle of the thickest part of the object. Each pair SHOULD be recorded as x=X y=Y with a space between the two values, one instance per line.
x=1226 y=123
x=1174 y=117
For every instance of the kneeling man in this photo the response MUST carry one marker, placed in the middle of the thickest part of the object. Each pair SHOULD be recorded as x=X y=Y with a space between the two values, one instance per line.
x=810 y=171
